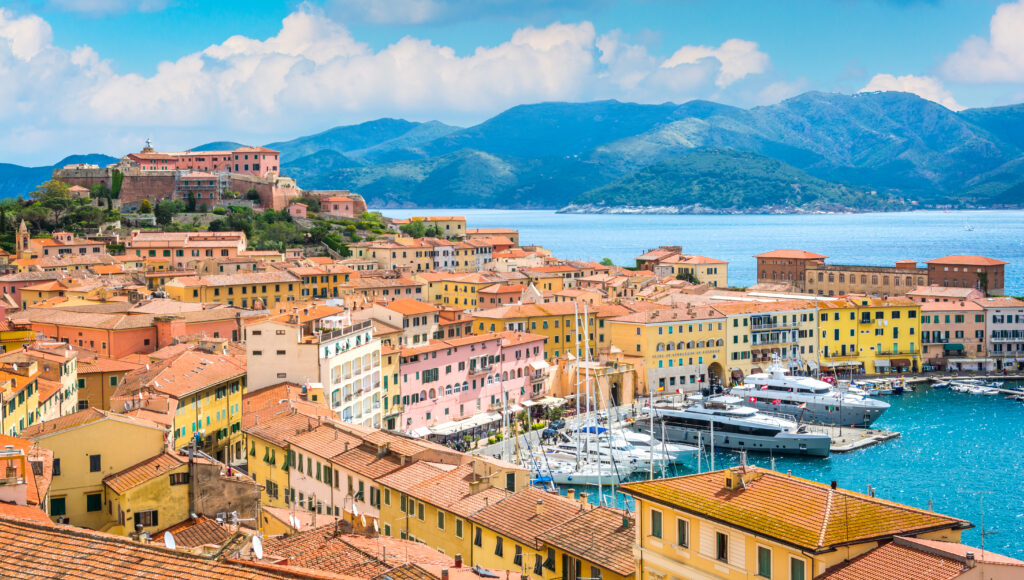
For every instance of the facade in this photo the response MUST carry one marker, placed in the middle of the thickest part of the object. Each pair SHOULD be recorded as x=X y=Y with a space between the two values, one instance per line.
x=749 y=522
x=449 y=380
x=19 y=395
x=419 y=321
x=183 y=247
x=759 y=333
x=709 y=271
x=869 y=335
x=985 y=274
x=786 y=266
x=258 y=161
x=675 y=350
x=1004 y=330
x=953 y=336
x=320 y=346
x=558 y=322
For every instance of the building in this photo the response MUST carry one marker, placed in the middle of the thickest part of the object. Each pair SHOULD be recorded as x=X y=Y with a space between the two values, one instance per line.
x=98 y=378
x=88 y=446
x=680 y=349
x=258 y=161
x=320 y=346
x=758 y=334
x=482 y=233
x=59 y=244
x=184 y=247
x=878 y=281
x=339 y=204
x=19 y=395
x=786 y=266
x=869 y=335
x=752 y=522
x=418 y=321
x=701 y=269
x=985 y=274
x=255 y=290
x=58 y=376
x=953 y=336
x=560 y=323
x=449 y=380
x=196 y=390
x=1004 y=330
x=28 y=471
x=907 y=557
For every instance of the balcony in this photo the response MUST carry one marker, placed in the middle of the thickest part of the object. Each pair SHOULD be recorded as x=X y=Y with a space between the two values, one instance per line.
x=890 y=352
x=1007 y=338
x=481 y=370
x=773 y=326
x=771 y=341
x=868 y=320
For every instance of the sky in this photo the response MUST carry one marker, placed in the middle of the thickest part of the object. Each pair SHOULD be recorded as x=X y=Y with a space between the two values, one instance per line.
x=100 y=76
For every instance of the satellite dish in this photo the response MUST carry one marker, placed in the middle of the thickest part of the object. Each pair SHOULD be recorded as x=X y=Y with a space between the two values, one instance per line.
x=291 y=521
x=169 y=541
x=257 y=547
x=355 y=510
x=376 y=528
x=363 y=519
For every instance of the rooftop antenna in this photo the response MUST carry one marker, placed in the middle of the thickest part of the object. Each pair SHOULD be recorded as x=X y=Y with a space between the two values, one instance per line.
x=169 y=541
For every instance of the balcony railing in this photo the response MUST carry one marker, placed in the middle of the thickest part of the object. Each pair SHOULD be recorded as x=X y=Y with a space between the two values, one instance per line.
x=481 y=370
x=896 y=352
x=779 y=340
x=1004 y=338
x=774 y=325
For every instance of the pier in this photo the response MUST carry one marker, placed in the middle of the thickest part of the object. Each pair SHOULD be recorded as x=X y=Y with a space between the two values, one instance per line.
x=848 y=439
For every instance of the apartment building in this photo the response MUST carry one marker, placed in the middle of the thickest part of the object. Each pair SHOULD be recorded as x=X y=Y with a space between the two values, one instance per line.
x=869 y=335
x=560 y=323
x=1004 y=330
x=757 y=334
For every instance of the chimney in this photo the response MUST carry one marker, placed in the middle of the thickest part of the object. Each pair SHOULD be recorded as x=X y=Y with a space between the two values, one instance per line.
x=583 y=497
x=444 y=574
x=540 y=507
x=458 y=560
x=969 y=560
x=834 y=484
x=571 y=494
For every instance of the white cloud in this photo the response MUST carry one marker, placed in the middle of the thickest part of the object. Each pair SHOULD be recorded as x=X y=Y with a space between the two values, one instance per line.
x=925 y=87
x=101 y=7
x=1000 y=58
x=313 y=74
x=447 y=11
x=737 y=58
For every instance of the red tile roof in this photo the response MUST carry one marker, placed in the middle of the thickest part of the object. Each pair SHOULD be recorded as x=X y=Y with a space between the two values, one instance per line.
x=598 y=535
x=191 y=533
x=967 y=260
x=792 y=254
x=145 y=470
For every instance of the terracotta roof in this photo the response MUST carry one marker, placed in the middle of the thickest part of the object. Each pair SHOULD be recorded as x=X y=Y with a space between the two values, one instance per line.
x=1000 y=302
x=38 y=550
x=10 y=511
x=598 y=535
x=662 y=316
x=201 y=531
x=78 y=419
x=364 y=460
x=754 y=307
x=37 y=485
x=324 y=440
x=792 y=254
x=47 y=389
x=549 y=309
x=516 y=516
x=184 y=373
x=443 y=487
x=102 y=364
x=944 y=291
x=794 y=511
x=967 y=260
x=141 y=472
x=408 y=307
x=960 y=551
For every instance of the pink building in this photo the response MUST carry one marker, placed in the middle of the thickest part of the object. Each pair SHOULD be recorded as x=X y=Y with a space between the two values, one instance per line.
x=953 y=336
x=448 y=380
x=258 y=161
x=338 y=206
x=297 y=210
x=181 y=248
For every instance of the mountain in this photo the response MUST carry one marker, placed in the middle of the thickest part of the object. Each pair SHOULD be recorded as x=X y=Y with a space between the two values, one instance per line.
x=726 y=180
x=306 y=169
x=351 y=139
x=18 y=180
x=218 y=146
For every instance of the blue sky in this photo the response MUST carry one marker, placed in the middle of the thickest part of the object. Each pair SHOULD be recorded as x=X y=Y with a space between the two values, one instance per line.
x=101 y=75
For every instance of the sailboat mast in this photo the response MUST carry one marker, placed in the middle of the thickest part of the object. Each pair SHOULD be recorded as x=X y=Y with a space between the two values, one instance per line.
x=579 y=418
x=712 y=444
x=592 y=392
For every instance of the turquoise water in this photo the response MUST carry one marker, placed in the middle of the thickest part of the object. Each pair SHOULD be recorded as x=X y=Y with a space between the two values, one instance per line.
x=871 y=239
x=952 y=447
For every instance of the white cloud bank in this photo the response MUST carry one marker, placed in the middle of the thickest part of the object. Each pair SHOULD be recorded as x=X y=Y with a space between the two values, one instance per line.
x=1000 y=58
x=925 y=87
x=313 y=72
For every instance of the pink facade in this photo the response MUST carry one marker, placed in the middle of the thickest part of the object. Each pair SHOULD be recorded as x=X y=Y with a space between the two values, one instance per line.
x=953 y=335
x=183 y=248
x=118 y=343
x=297 y=210
x=13 y=283
x=450 y=380
x=258 y=161
x=338 y=207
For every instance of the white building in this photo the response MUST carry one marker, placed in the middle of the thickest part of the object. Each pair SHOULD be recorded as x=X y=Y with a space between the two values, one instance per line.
x=319 y=347
x=1004 y=330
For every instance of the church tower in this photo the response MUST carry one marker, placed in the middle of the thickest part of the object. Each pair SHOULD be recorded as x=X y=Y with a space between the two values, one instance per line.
x=21 y=244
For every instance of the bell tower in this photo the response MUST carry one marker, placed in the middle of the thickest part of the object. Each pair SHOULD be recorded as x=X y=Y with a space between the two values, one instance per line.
x=22 y=245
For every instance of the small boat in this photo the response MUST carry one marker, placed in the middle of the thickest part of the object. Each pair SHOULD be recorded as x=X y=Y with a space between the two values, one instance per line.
x=980 y=390
x=996 y=384
x=941 y=385
x=677 y=451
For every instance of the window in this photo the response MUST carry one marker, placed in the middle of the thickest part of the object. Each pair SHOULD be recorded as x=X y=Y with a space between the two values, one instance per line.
x=94 y=463
x=387 y=496
x=721 y=546
x=549 y=562
x=517 y=559
x=458 y=528
x=595 y=572
x=510 y=481
x=537 y=564
x=499 y=547
x=179 y=478
x=655 y=523
x=56 y=466
x=58 y=507
x=440 y=520
x=796 y=569
x=478 y=537
x=93 y=502
x=682 y=533
x=147 y=518
x=764 y=562
x=419 y=511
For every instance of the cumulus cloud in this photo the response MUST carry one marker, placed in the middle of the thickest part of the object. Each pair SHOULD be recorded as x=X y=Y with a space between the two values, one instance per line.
x=313 y=72
x=925 y=87
x=101 y=7
x=999 y=58
x=425 y=11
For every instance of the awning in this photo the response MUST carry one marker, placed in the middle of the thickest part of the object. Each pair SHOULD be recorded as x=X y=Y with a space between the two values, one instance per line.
x=549 y=401
x=756 y=370
x=514 y=408
x=737 y=374
x=900 y=362
x=420 y=432
x=881 y=363
x=539 y=365
x=971 y=360
x=953 y=346
x=794 y=364
x=812 y=365
x=842 y=363
x=530 y=403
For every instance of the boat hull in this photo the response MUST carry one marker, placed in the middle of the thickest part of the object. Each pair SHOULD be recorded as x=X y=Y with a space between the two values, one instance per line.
x=825 y=414
x=807 y=444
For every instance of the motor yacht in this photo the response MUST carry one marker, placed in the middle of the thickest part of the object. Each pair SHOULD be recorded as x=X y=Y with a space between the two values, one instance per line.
x=807 y=399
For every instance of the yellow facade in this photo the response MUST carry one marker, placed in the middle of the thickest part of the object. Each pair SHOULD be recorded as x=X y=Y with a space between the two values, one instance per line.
x=402 y=516
x=269 y=294
x=214 y=411
x=19 y=392
x=758 y=332
x=16 y=338
x=268 y=462
x=869 y=334
x=673 y=350
x=389 y=366
x=713 y=274
x=166 y=502
x=552 y=321
x=85 y=454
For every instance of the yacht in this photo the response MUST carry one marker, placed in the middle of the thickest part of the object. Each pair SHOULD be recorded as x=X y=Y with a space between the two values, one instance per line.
x=643 y=441
x=735 y=426
x=592 y=450
x=641 y=455
x=808 y=399
x=565 y=471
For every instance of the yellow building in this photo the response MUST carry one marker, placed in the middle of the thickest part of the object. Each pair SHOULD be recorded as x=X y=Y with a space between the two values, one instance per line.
x=463 y=290
x=87 y=447
x=13 y=337
x=98 y=377
x=255 y=290
x=871 y=335
x=755 y=523
x=19 y=393
x=390 y=359
x=682 y=349
x=558 y=322
x=757 y=333
x=152 y=494
x=705 y=270
x=401 y=253
x=449 y=226
x=198 y=393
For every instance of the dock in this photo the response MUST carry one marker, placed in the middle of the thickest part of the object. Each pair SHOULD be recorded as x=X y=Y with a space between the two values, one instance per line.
x=848 y=439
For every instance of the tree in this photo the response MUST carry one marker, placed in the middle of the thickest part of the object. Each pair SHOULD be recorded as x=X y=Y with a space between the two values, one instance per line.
x=414 y=229
x=607 y=262
x=55 y=196
x=190 y=202
x=688 y=276
x=116 y=178
x=252 y=195
x=88 y=215
x=165 y=211
x=312 y=203
x=145 y=207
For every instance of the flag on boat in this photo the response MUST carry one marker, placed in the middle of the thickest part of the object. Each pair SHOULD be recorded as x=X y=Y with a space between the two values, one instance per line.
x=764 y=387
x=777 y=402
x=679 y=391
x=753 y=399
x=802 y=406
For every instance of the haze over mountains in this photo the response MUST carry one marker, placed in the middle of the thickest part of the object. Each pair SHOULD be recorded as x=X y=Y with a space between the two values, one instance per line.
x=816 y=151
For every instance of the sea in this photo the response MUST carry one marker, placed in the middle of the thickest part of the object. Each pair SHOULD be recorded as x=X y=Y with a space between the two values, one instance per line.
x=958 y=454
x=876 y=239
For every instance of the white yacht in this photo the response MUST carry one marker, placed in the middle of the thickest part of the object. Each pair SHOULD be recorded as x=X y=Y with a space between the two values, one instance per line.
x=643 y=441
x=735 y=426
x=563 y=471
x=807 y=399
x=593 y=450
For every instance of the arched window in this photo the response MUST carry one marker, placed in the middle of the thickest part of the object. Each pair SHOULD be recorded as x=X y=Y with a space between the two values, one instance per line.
x=448 y=389
x=863 y=279
x=689 y=344
x=423 y=395
x=874 y=280
x=910 y=281
x=504 y=376
x=669 y=346
x=660 y=347
x=720 y=342
x=433 y=394
x=680 y=346
x=465 y=386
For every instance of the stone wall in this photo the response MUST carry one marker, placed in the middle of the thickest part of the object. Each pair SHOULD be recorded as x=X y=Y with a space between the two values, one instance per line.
x=215 y=492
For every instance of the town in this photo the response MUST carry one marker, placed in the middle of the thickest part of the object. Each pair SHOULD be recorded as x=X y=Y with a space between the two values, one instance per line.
x=175 y=399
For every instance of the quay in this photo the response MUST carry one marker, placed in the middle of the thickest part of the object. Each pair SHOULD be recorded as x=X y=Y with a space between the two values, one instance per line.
x=846 y=439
